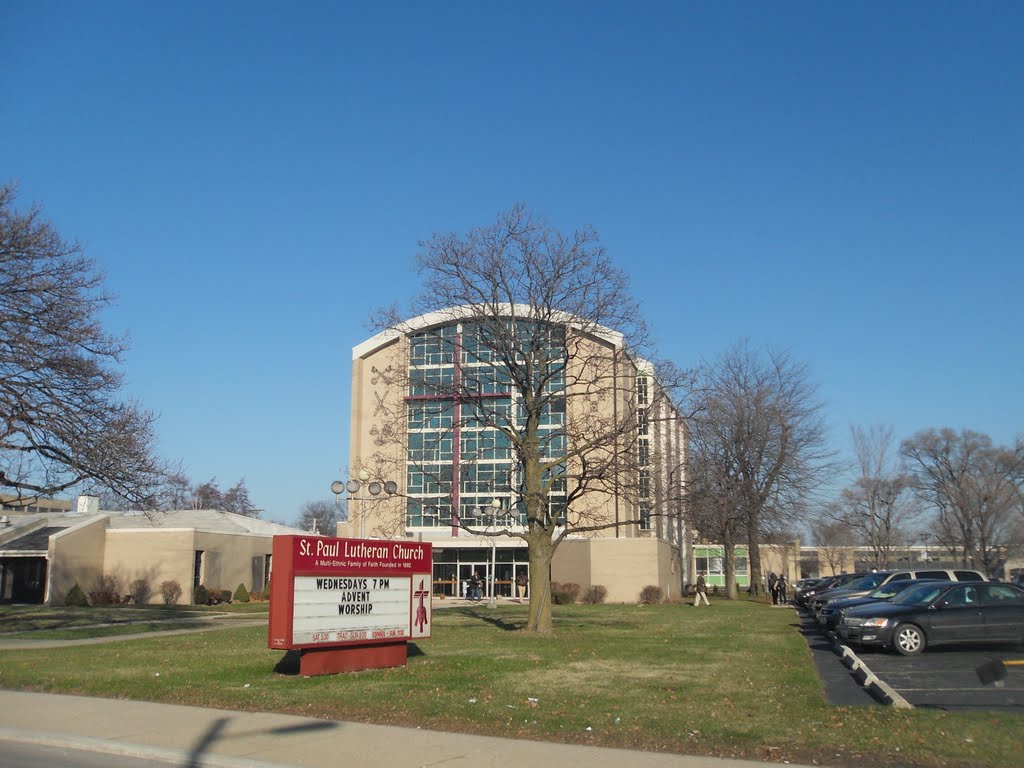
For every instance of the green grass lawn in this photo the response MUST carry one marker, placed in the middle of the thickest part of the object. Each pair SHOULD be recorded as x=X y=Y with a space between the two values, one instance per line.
x=736 y=680
x=46 y=623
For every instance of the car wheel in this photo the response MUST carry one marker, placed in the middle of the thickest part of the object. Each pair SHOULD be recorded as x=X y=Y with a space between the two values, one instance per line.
x=908 y=640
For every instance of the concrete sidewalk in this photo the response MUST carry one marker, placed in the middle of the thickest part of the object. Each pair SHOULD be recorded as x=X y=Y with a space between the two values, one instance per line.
x=194 y=737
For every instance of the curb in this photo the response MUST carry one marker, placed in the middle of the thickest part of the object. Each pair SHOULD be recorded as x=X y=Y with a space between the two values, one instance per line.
x=879 y=689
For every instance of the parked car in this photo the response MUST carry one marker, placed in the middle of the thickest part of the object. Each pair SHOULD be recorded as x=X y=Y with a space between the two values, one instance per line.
x=805 y=586
x=832 y=582
x=806 y=583
x=936 y=613
x=830 y=616
x=875 y=579
x=856 y=588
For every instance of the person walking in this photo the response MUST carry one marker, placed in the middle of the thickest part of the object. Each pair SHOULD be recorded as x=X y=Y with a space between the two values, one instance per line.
x=474 y=587
x=702 y=592
x=772 y=581
x=781 y=587
x=521 y=582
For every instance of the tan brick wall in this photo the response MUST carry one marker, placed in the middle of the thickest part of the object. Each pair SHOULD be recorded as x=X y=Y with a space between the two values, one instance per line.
x=623 y=566
x=76 y=556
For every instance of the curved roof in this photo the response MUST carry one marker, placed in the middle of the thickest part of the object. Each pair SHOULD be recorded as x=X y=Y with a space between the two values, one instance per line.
x=453 y=314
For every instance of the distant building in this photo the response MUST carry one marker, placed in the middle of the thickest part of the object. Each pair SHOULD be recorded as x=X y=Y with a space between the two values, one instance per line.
x=43 y=555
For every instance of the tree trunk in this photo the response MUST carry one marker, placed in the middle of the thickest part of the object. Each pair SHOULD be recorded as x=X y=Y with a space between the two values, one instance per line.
x=729 y=563
x=754 y=559
x=541 y=551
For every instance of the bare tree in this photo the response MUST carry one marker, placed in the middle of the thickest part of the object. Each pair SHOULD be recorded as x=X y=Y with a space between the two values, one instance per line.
x=714 y=493
x=320 y=516
x=975 y=489
x=759 y=446
x=236 y=499
x=208 y=495
x=832 y=536
x=879 y=506
x=548 y=369
x=63 y=422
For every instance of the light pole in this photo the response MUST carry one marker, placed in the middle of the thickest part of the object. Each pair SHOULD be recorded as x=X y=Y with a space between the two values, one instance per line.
x=354 y=486
x=492 y=600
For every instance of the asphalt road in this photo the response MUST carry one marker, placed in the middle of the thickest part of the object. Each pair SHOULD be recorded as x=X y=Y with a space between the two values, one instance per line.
x=27 y=755
x=947 y=678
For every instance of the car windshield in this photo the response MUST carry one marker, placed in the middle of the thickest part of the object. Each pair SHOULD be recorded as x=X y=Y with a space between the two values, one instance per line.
x=919 y=595
x=842 y=581
x=891 y=589
x=870 y=581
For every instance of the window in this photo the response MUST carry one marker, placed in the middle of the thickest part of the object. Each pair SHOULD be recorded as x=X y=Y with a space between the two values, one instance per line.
x=553 y=412
x=427 y=447
x=429 y=513
x=433 y=347
x=485 y=444
x=644 y=452
x=431 y=415
x=431 y=382
x=1002 y=593
x=197 y=569
x=641 y=421
x=484 y=479
x=641 y=390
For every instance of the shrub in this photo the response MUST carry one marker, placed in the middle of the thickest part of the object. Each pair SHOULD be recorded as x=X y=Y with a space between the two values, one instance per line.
x=106 y=591
x=241 y=594
x=265 y=592
x=76 y=597
x=201 y=596
x=170 y=591
x=564 y=594
x=141 y=591
x=225 y=595
x=595 y=594
x=650 y=595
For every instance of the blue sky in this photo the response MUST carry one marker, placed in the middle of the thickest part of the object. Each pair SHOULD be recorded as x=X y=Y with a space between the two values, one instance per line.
x=844 y=181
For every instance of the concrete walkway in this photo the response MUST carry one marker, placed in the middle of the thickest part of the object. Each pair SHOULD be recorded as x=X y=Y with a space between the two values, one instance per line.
x=194 y=737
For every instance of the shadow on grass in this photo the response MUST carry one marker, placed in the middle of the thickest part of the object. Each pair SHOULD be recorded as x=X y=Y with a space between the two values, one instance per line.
x=496 y=621
x=289 y=663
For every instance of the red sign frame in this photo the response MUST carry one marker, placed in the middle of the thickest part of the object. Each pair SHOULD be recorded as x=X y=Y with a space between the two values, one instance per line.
x=358 y=575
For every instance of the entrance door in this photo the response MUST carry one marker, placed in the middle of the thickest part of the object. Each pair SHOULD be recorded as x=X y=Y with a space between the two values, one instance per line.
x=24 y=579
x=445 y=580
x=465 y=571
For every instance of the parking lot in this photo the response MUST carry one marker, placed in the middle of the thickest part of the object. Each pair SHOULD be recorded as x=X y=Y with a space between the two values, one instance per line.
x=942 y=677
x=947 y=678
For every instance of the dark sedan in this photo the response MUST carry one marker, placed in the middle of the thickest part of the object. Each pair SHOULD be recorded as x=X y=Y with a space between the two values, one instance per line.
x=830 y=616
x=936 y=613
x=856 y=588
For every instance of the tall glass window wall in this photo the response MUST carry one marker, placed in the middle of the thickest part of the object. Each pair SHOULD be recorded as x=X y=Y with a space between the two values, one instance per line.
x=460 y=398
